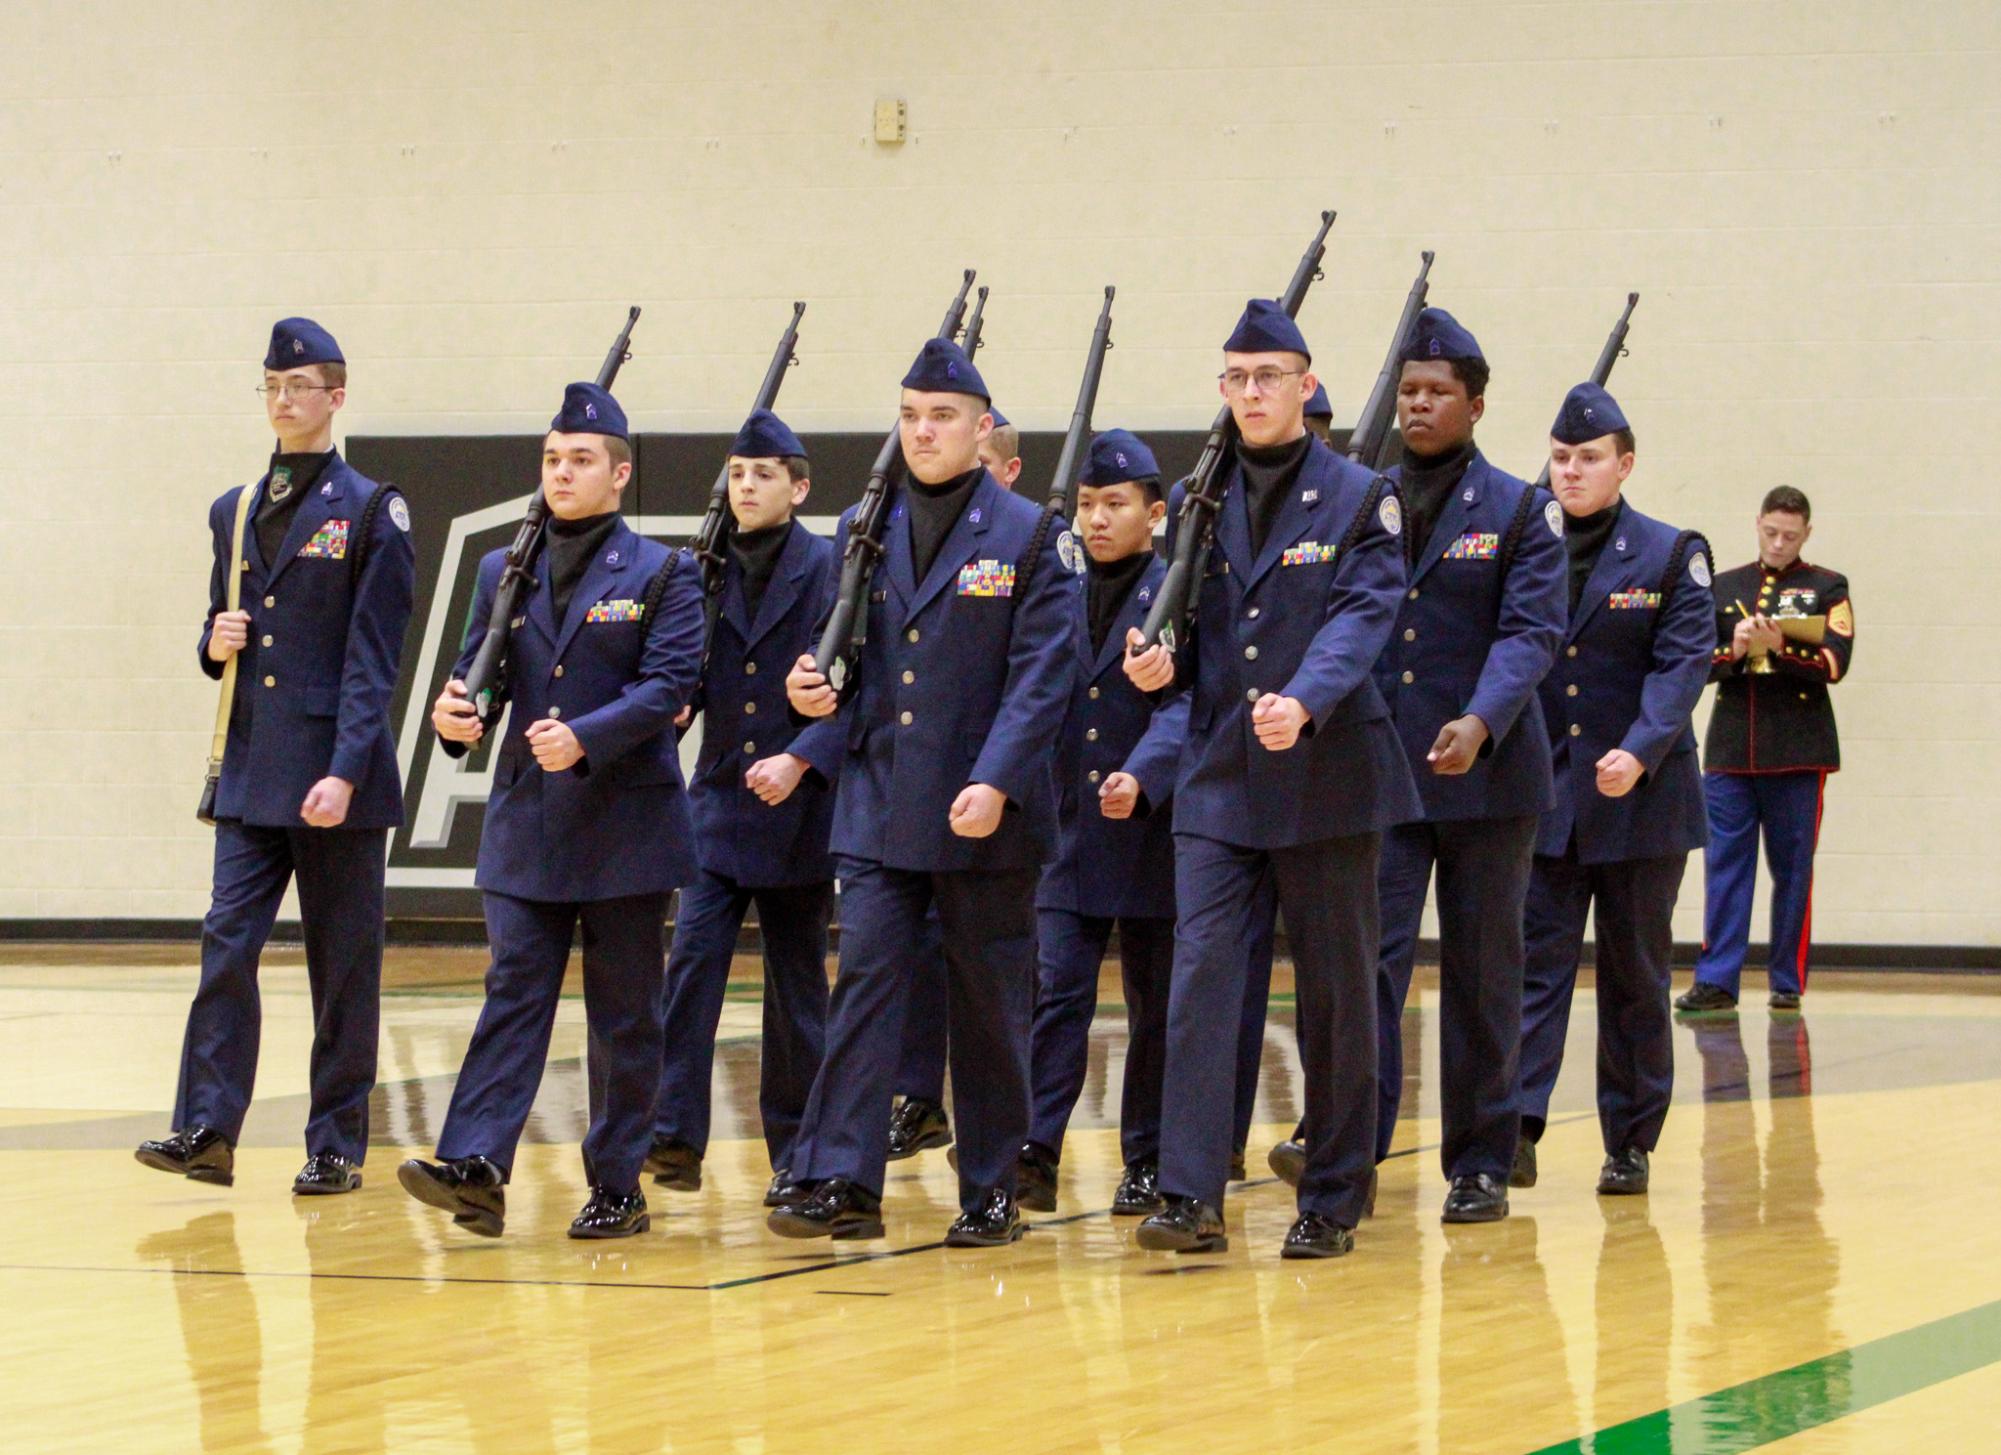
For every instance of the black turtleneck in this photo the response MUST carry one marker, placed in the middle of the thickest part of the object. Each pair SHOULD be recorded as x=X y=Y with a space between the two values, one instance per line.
x=573 y=545
x=293 y=477
x=1268 y=474
x=934 y=510
x=1106 y=587
x=1584 y=537
x=1428 y=482
x=757 y=553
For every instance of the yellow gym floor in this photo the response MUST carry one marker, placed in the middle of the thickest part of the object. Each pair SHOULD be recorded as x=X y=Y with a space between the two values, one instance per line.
x=1818 y=1267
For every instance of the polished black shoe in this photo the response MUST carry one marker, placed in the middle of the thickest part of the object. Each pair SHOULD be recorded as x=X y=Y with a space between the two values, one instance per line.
x=1238 y=1172
x=1476 y=1197
x=472 y=1189
x=786 y=1188
x=326 y=1173
x=993 y=1224
x=918 y=1125
x=1139 y=1191
x=674 y=1164
x=1624 y=1174
x=1184 y=1225
x=1314 y=1236
x=1701 y=997
x=1784 y=1000
x=200 y=1153
x=612 y=1215
x=1523 y=1173
x=834 y=1209
x=1035 y=1179
x=1288 y=1161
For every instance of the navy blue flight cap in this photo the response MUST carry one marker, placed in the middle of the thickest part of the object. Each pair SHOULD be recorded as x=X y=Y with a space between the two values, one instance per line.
x=1000 y=420
x=297 y=342
x=943 y=368
x=1438 y=335
x=590 y=409
x=1265 y=329
x=1588 y=413
x=1319 y=406
x=764 y=436
x=1116 y=457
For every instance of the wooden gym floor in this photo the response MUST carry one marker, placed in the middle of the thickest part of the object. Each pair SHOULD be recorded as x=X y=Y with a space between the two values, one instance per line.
x=1817 y=1269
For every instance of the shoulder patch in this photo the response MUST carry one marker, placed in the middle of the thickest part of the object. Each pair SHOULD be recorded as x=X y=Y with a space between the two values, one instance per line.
x=1068 y=554
x=1698 y=569
x=1391 y=515
x=400 y=513
x=1553 y=514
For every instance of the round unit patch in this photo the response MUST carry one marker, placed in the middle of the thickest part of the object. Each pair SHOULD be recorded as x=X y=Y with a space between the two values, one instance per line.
x=1698 y=569
x=1553 y=513
x=1391 y=515
x=400 y=513
x=1068 y=554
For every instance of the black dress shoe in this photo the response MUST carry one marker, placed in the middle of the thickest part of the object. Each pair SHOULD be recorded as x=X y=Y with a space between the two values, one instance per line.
x=612 y=1215
x=994 y=1224
x=472 y=1189
x=1523 y=1173
x=1624 y=1174
x=1035 y=1179
x=1314 y=1236
x=1784 y=1000
x=1288 y=1160
x=200 y=1153
x=1238 y=1172
x=918 y=1125
x=834 y=1209
x=1139 y=1191
x=674 y=1164
x=786 y=1188
x=1184 y=1225
x=326 y=1173
x=1701 y=997
x=1476 y=1197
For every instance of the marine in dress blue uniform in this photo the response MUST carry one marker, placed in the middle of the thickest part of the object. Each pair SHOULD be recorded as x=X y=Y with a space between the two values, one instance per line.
x=588 y=823
x=1770 y=746
x=1290 y=772
x=309 y=786
x=1628 y=794
x=1114 y=865
x=947 y=797
x=763 y=801
x=1477 y=629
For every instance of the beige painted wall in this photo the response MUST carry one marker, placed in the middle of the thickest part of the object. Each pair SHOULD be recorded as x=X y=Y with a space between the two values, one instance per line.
x=468 y=195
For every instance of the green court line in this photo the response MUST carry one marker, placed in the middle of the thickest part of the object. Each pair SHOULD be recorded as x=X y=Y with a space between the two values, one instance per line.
x=1818 y=1392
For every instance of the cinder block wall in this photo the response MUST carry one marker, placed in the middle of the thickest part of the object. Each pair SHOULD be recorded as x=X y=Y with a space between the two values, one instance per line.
x=470 y=194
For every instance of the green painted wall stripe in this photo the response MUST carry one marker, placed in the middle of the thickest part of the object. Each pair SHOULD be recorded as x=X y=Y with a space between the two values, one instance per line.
x=1783 y=1403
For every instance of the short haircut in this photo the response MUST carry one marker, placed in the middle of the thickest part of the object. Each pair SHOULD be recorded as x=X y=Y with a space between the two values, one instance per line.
x=618 y=450
x=1006 y=440
x=1786 y=498
x=333 y=375
x=1623 y=438
x=1473 y=373
x=797 y=468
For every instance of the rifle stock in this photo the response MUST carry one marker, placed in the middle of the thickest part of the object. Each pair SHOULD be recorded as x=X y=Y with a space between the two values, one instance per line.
x=1614 y=350
x=1080 y=417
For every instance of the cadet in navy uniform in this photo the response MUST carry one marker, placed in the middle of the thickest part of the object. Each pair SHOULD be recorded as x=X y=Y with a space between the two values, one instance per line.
x=1320 y=415
x=1114 y=866
x=1770 y=747
x=1290 y=772
x=1628 y=793
x=920 y=1121
x=946 y=796
x=763 y=804
x=309 y=781
x=587 y=822
x=1479 y=626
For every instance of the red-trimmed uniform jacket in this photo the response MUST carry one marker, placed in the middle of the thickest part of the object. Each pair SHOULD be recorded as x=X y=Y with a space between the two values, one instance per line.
x=1780 y=721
